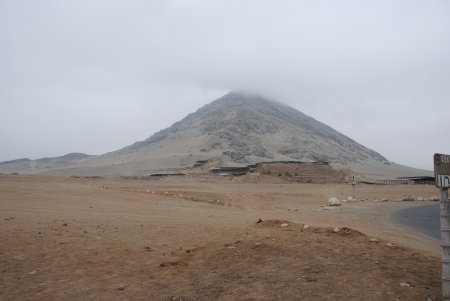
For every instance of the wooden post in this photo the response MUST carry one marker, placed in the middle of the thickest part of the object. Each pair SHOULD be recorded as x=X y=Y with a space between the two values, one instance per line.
x=445 y=243
x=353 y=192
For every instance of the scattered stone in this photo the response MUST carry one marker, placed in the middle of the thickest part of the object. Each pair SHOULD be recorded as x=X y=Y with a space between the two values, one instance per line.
x=406 y=284
x=334 y=202
x=32 y=273
x=65 y=224
x=408 y=198
x=385 y=200
x=257 y=244
x=390 y=245
x=336 y=230
x=284 y=225
x=350 y=198
x=434 y=199
x=259 y=221
x=267 y=236
x=121 y=287
x=420 y=198
x=374 y=240
x=306 y=227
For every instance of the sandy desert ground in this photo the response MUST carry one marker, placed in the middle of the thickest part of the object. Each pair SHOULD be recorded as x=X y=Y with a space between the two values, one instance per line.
x=199 y=239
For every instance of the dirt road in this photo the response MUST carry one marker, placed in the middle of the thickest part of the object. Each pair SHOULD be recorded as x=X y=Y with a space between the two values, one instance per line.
x=198 y=239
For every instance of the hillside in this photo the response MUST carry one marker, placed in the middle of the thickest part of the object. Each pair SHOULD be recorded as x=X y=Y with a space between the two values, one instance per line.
x=26 y=165
x=237 y=129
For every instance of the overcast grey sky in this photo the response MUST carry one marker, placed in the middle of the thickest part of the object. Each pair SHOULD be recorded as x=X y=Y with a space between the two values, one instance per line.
x=94 y=76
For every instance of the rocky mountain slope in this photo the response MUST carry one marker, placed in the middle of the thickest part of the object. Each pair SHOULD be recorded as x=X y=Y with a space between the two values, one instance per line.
x=237 y=129
x=245 y=128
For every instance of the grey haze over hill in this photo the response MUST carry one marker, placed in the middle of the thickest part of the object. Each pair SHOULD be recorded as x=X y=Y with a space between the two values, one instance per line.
x=237 y=129
x=72 y=72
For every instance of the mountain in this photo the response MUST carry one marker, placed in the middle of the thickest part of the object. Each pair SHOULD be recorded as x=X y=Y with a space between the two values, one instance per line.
x=26 y=165
x=237 y=129
x=243 y=128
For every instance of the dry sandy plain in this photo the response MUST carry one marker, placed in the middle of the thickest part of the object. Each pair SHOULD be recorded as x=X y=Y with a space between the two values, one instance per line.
x=198 y=239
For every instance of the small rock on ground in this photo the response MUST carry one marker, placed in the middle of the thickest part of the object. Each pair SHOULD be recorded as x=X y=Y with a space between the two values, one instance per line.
x=406 y=284
x=334 y=202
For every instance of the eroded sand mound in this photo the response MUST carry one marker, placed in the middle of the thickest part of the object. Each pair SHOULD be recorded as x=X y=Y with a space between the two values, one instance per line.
x=273 y=262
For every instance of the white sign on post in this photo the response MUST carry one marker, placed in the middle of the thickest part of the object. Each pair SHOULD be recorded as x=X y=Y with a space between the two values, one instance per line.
x=443 y=181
